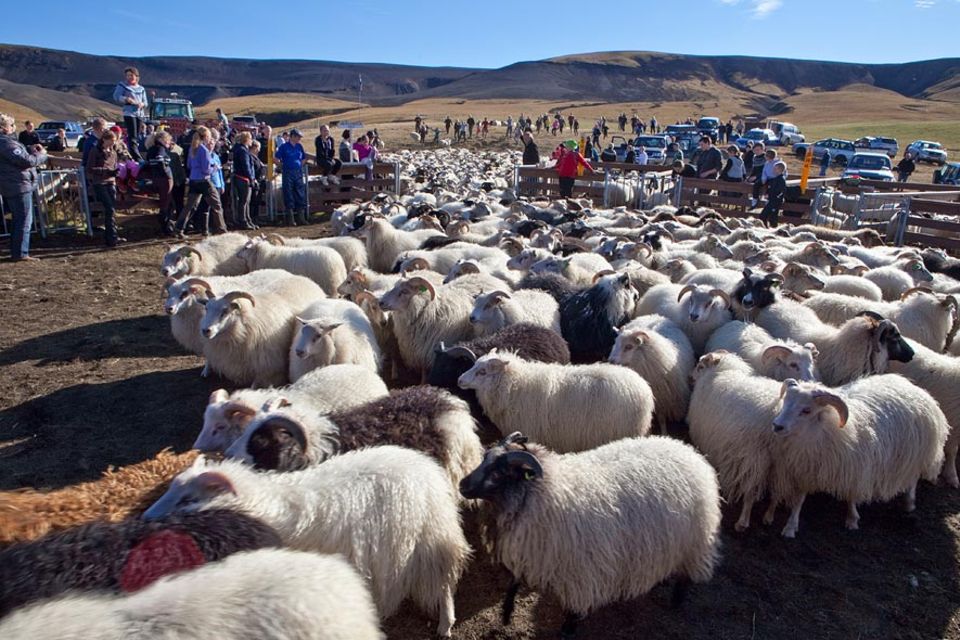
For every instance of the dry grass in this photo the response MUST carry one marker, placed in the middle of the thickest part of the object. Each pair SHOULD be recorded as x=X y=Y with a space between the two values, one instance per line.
x=19 y=112
x=270 y=103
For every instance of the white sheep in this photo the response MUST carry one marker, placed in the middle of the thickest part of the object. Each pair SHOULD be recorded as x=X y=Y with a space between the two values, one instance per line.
x=320 y=391
x=869 y=440
x=929 y=318
x=600 y=526
x=385 y=242
x=579 y=268
x=352 y=250
x=424 y=315
x=323 y=265
x=332 y=332
x=528 y=257
x=697 y=309
x=465 y=267
x=270 y=594
x=731 y=409
x=498 y=309
x=565 y=407
x=248 y=343
x=661 y=353
x=442 y=260
x=801 y=278
x=898 y=277
x=216 y=255
x=771 y=357
x=408 y=546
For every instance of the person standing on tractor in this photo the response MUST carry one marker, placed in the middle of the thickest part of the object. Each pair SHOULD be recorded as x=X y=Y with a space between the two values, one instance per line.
x=133 y=97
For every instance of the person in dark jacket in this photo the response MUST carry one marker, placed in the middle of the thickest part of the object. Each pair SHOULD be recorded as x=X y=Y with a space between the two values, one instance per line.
x=18 y=181
x=906 y=167
x=102 y=168
x=28 y=137
x=244 y=177
x=58 y=142
x=710 y=160
x=531 y=152
x=631 y=157
x=776 y=189
x=158 y=164
x=345 y=151
x=327 y=160
x=608 y=154
x=259 y=185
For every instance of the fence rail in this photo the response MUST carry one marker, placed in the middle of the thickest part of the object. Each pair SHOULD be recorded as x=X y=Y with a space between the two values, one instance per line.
x=532 y=181
x=916 y=224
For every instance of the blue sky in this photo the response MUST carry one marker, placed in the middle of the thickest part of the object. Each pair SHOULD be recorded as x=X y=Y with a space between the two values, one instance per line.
x=491 y=33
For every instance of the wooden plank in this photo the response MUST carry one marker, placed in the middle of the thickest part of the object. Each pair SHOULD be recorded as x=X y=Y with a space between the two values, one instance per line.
x=882 y=185
x=930 y=223
x=704 y=198
x=931 y=241
x=935 y=206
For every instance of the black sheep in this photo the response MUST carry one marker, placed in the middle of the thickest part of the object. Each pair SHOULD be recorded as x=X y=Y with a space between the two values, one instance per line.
x=530 y=342
x=588 y=318
x=100 y=556
x=554 y=284
x=938 y=262
x=755 y=291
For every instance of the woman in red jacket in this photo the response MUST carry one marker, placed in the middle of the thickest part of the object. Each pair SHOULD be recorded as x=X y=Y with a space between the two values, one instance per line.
x=567 y=164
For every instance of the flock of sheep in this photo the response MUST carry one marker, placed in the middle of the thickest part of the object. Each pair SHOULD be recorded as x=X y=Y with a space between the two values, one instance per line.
x=802 y=360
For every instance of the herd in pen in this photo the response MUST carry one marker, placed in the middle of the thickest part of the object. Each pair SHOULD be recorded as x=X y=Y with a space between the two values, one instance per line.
x=589 y=384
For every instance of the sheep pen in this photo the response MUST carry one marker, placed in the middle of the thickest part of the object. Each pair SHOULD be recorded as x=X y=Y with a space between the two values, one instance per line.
x=104 y=385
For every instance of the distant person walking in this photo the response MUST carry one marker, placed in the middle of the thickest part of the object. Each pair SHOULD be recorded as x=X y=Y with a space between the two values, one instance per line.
x=291 y=157
x=906 y=167
x=567 y=165
x=446 y=123
x=471 y=123
x=18 y=181
x=133 y=97
x=200 y=168
x=824 y=161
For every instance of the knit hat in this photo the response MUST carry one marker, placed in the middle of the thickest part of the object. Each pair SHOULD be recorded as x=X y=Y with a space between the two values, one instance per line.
x=570 y=144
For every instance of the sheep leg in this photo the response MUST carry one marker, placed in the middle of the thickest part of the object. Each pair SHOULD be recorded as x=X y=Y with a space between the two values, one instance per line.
x=793 y=522
x=771 y=511
x=447 y=613
x=662 y=422
x=509 y=600
x=743 y=522
x=853 y=516
x=910 y=502
x=950 y=466
x=569 y=628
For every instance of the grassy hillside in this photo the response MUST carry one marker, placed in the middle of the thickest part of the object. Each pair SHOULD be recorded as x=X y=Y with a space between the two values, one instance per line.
x=19 y=112
x=278 y=109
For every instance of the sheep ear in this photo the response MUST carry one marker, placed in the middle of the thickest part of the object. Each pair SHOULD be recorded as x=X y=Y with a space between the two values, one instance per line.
x=523 y=465
x=220 y=395
x=214 y=483
x=776 y=351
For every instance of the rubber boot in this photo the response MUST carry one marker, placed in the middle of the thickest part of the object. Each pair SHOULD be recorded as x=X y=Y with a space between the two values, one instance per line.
x=290 y=219
x=302 y=218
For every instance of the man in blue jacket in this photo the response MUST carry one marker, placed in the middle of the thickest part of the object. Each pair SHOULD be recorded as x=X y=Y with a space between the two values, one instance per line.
x=18 y=180
x=133 y=97
x=291 y=157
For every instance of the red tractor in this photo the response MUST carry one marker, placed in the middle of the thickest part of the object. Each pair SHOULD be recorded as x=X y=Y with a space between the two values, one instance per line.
x=173 y=113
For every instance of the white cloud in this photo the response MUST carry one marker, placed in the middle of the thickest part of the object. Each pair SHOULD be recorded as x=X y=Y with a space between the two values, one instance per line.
x=924 y=4
x=763 y=8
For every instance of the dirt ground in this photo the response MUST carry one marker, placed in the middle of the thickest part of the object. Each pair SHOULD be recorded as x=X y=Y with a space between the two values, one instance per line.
x=92 y=378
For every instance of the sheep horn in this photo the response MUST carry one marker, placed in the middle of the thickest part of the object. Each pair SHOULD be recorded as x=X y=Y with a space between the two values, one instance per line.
x=187 y=250
x=950 y=301
x=873 y=315
x=646 y=247
x=720 y=293
x=789 y=382
x=773 y=351
x=524 y=460
x=275 y=238
x=830 y=400
x=416 y=264
x=233 y=295
x=461 y=351
x=499 y=293
x=687 y=289
x=912 y=290
x=364 y=295
x=600 y=274
x=424 y=285
x=469 y=267
x=198 y=282
x=238 y=407
x=514 y=438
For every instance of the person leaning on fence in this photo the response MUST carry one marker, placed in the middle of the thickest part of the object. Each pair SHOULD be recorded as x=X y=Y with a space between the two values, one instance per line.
x=710 y=160
x=733 y=169
x=568 y=164
x=243 y=180
x=102 y=167
x=92 y=137
x=631 y=157
x=608 y=154
x=906 y=167
x=367 y=154
x=327 y=160
x=200 y=165
x=158 y=164
x=531 y=152
x=641 y=158
x=28 y=137
x=59 y=142
x=18 y=182
x=767 y=173
x=824 y=161
x=776 y=189
x=291 y=157
x=131 y=94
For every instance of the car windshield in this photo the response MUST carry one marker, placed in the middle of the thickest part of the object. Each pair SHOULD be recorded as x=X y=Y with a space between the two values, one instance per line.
x=756 y=134
x=52 y=125
x=175 y=110
x=680 y=128
x=651 y=141
x=707 y=122
x=930 y=145
x=869 y=162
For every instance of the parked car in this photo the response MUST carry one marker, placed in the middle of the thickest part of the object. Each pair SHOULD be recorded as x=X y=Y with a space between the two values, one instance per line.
x=787 y=133
x=47 y=131
x=245 y=123
x=949 y=174
x=841 y=151
x=869 y=165
x=655 y=146
x=752 y=137
x=926 y=151
x=890 y=146
x=709 y=126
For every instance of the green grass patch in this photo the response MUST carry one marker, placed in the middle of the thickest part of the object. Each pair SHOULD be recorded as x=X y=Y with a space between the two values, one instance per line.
x=945 y=132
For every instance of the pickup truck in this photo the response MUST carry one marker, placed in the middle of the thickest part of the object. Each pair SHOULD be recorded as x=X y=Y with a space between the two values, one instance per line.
x=655 y=146
x=841 y=151
x=869 y=165
x=788 y=134
x=709 y=127
x=244 y=123
x=890 y=146
x=926 y=151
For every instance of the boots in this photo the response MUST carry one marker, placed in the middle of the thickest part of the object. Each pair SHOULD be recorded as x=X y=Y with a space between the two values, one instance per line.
x=290 y=219
x=302 y=217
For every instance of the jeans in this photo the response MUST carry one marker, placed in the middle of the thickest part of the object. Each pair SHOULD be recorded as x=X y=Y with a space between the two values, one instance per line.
x=132 y=125
x=294 y=191
x=241 y=204
x=823 y=169
x=107 y=196
x=21 y=206
x=330 y=167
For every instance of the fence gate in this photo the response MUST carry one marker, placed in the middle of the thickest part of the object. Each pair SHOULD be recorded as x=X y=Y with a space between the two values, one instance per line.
x=60 y=203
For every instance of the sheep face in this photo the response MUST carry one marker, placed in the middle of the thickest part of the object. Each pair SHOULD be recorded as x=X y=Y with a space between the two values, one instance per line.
x=194 y=490
x=223 y=314
x=184 y=293
x=798 y=362
x=275 y=443
x=526 y=259
x=223 y=422
x=354 y=284
x=756 y=291
x=405 y=292
x=179 y=262
x=506 y=467
x=248 y=252
x=310 y=339
x=714 y=247
x=915 y=269
x=629 y=347
x=488 y=313
x=699 y=302
x=461 y=268
x=807 y=407
x=799 y=279
x=887 y=338
x=485 y=373
x=706 y=363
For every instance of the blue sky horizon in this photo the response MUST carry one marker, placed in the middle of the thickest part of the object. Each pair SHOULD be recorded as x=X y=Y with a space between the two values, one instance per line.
x=437 y=33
